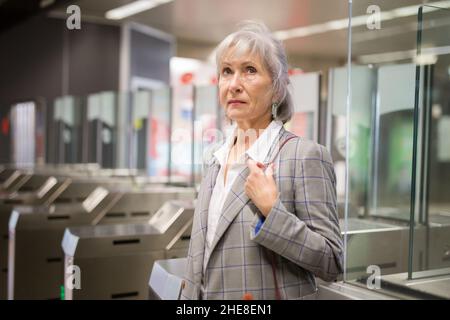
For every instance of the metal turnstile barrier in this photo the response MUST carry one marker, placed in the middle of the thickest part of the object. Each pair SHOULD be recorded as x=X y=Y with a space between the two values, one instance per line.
x=7 y=203
x=10 y=177
x=35 y=237
x=384 y=244
x=365 y=238
x=114 y=261
x=52 y=190
x=37 y=186
x=166 y=279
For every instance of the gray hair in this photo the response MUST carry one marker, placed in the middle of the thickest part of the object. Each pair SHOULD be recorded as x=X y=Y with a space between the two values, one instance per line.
x=255 y=38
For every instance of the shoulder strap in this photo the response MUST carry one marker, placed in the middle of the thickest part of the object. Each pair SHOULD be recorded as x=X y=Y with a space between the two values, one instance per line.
x=281 y=147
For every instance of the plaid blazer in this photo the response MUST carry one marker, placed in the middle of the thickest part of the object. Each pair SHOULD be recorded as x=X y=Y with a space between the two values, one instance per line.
x=302 y=229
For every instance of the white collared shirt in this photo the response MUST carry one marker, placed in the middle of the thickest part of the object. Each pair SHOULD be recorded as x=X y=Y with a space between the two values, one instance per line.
x=258 y=152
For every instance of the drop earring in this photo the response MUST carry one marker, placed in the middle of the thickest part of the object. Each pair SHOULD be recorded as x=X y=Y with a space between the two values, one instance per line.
x=274 y=110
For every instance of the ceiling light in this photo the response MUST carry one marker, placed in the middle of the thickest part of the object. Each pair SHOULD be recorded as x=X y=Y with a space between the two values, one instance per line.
x=387 y=57
x=436 y=111
x=425 y=59
x=133 y=8
x=46 y=3
x=427 y=56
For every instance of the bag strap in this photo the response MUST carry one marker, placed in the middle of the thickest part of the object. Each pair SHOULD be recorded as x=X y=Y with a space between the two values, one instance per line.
x=271 y=253
x=279 y=149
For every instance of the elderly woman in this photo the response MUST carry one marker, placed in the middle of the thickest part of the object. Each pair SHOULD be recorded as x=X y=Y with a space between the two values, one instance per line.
x=265 y=223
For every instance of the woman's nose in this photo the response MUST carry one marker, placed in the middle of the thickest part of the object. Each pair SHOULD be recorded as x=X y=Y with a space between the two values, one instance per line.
x=235 y=83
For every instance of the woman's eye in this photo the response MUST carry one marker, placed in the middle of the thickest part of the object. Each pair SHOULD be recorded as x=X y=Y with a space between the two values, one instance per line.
x=251 y=69
x=226 y=71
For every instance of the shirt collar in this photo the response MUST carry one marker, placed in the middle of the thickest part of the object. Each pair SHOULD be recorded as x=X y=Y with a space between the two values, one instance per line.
x=222 y=153
x=259 y=149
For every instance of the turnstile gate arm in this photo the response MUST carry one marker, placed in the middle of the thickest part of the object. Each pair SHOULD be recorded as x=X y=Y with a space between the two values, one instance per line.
x=179 y=234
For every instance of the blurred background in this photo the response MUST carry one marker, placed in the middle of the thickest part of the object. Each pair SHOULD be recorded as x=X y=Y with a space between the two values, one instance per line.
x=108 y=110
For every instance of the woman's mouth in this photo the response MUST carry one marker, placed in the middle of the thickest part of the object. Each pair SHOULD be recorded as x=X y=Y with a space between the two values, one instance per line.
x=235 y=102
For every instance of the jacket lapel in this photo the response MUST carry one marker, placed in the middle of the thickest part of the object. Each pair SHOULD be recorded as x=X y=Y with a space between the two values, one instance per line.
x=208 y=182
x=234 y=202
x=237 y=198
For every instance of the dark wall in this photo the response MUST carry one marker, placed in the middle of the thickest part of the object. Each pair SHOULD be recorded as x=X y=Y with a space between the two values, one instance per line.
x=33 y=55
x=30 y=67
x=93 y=59
x=42 y=59
x=31 y=60
x=150 y=57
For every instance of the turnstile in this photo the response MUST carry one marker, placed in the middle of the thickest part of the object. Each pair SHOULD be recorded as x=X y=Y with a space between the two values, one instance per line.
x=64 y=190
x=384 y=244
x=12 y=178
x=7 y=203
x=166 y=279
x=35 y=237
x=9 y=177
x=29 y=182
x=369 y=242
x=48 y=190
x=114 y=262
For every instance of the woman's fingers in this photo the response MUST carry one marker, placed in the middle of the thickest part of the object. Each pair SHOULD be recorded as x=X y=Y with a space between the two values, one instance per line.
x=252 y=165
x=269 y=171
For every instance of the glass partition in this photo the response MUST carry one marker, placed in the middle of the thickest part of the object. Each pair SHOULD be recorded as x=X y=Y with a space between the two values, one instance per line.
x=140 y=128
x=390 y=190
x=430 y=241
x=101 y=112
x=128 y=130
x=396 y=130
x=124 y=131
x=67 y=124
x=335 y=133
x=363 y=87
x=378 y=139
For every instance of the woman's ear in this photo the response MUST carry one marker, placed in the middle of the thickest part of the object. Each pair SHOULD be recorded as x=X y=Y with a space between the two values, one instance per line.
x=276 y=97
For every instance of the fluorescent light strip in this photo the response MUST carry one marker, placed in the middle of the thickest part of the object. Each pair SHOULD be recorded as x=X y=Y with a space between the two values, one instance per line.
x=133 y=8
x=46 y=3
x=426 y=57
x=356 y=21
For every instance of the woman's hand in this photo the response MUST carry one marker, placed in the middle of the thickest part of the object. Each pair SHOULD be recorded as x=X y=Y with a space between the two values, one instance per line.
x=260 y=186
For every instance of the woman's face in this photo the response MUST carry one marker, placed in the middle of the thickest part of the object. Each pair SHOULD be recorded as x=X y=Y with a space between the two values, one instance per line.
x=245 y=87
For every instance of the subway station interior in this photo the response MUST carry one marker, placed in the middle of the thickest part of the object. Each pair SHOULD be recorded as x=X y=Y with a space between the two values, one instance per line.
x=108 y=107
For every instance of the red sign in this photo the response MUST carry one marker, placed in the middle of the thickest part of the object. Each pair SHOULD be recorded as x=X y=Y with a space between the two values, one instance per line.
x=186 y=78
x=5 y=126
